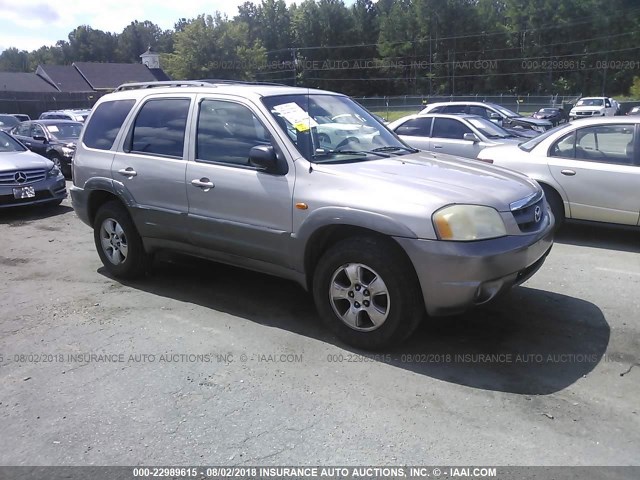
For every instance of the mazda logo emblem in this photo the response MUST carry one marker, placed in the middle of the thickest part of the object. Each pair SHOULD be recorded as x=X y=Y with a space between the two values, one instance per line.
x=20 y=177
x=537 y=214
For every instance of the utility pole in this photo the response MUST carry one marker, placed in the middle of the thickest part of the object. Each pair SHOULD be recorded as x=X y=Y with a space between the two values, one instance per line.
x=430 y=68
x=293 y=66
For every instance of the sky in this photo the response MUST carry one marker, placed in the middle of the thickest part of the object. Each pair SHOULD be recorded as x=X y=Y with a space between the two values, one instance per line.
x=30 y=24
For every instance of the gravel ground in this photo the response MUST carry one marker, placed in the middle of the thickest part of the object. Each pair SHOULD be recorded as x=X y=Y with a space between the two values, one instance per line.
x=205 y=364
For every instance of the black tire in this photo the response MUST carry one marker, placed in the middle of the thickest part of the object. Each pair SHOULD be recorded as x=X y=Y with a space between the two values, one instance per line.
x=136 y=261
x=404 y=302
x=557 y=206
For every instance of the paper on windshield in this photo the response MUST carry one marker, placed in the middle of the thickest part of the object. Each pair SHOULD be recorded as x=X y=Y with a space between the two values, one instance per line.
x=296 y=116
x=52 y=128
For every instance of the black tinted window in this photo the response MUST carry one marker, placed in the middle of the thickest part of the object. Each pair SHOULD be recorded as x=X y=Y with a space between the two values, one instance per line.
x=107 y=120
x=160 y=127
x=481 y=111
x=417 y=127
x=449 y=128
x=455 y=109
x=227 y=132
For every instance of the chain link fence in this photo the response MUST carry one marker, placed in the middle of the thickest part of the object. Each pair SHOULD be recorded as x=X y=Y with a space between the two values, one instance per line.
x=391 y=108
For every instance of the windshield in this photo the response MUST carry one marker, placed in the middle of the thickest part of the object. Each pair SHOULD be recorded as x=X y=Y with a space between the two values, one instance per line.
x=8 y=121
x=489 y=129
x=64 y=130
x=590 y=102
x=547 y=110
x=8 y=144
x=533 y=143
x=506 y=112
x=332 y=128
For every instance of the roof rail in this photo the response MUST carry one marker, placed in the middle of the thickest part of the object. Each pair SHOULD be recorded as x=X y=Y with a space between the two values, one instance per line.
x=172 y=83
x=208 y=82
x=240 y=82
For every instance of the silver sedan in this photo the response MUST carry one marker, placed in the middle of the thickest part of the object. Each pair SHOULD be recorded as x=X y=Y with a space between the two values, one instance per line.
x=454 y=134
x=589 y=169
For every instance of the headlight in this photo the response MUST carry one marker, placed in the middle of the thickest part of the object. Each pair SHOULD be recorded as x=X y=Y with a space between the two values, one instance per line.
x=68 y=152
x=54 y=172
x=468 y=222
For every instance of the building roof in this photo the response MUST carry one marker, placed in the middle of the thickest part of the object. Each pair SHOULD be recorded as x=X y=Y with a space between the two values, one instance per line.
x=64 y=77
x=24 y=82
x=107 y=76
x=159 y=74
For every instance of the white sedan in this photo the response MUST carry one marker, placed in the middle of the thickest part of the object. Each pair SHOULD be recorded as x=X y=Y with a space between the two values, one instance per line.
x=589 y=169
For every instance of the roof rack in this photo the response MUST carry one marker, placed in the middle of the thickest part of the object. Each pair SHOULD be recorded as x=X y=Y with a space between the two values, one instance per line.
x=241 y=82
x=209 y=82
x=173 y=83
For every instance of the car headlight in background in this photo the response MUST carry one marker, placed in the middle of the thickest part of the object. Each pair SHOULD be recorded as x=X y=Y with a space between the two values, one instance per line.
x=67 y=151
x=468 y=222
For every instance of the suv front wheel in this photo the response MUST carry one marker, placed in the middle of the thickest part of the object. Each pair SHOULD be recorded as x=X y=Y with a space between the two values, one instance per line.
x=118 y=242
x=367 y=292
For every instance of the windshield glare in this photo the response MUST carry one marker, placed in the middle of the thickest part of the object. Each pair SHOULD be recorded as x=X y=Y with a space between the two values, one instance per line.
x=333 y=128
x=8 y=144
x=64 y=130
x=590 y=102
x=489 y=129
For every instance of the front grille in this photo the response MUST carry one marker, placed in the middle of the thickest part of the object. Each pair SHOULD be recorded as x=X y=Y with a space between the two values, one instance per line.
x=11 y=200
x=584 y=114
x=29 y=176
x=525 y=215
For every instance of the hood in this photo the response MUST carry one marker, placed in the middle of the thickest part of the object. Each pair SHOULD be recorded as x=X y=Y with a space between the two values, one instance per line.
x=23 y=160
x=443 y=178
x=587 y=108
x=544 y=115
x=530 y=121
x=65 y=141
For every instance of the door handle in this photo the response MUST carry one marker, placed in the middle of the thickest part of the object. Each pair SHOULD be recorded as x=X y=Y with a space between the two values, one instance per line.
x=128 y=172
x=568 y=173
x=437 y=146
x=204 y=183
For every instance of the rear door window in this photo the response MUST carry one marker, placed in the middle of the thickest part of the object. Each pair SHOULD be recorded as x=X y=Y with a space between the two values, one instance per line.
x=159 y=128
x=105 y=124
x=416 y=127
x=455 y=109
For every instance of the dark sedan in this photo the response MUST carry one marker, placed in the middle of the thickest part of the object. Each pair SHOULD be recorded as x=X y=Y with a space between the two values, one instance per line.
x=555 y=115
x=54 y=139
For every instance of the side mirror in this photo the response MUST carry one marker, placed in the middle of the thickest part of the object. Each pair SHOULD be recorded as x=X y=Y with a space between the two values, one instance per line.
x=264 y=158
x=472 y=137
x=494 y=117
x=39 y=138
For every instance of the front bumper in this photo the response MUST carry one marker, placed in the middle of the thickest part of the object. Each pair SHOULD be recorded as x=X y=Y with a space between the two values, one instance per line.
x=455 y=276
x=80 y=203
x=49 y=190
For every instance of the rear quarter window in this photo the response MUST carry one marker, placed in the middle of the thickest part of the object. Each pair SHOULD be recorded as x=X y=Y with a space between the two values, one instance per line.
x=107 y=120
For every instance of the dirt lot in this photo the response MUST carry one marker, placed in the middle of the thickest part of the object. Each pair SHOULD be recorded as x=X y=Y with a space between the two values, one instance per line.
x=205 y=364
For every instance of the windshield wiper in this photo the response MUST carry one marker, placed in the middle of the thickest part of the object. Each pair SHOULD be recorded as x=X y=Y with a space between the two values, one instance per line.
x=353 y=152
x=391 y=148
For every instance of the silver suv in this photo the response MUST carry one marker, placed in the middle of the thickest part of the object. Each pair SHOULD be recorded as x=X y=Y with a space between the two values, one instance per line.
x=306 y=185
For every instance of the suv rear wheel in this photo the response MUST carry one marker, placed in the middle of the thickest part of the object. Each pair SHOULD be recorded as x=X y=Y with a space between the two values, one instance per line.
x=367 y=292
x=118 y=242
